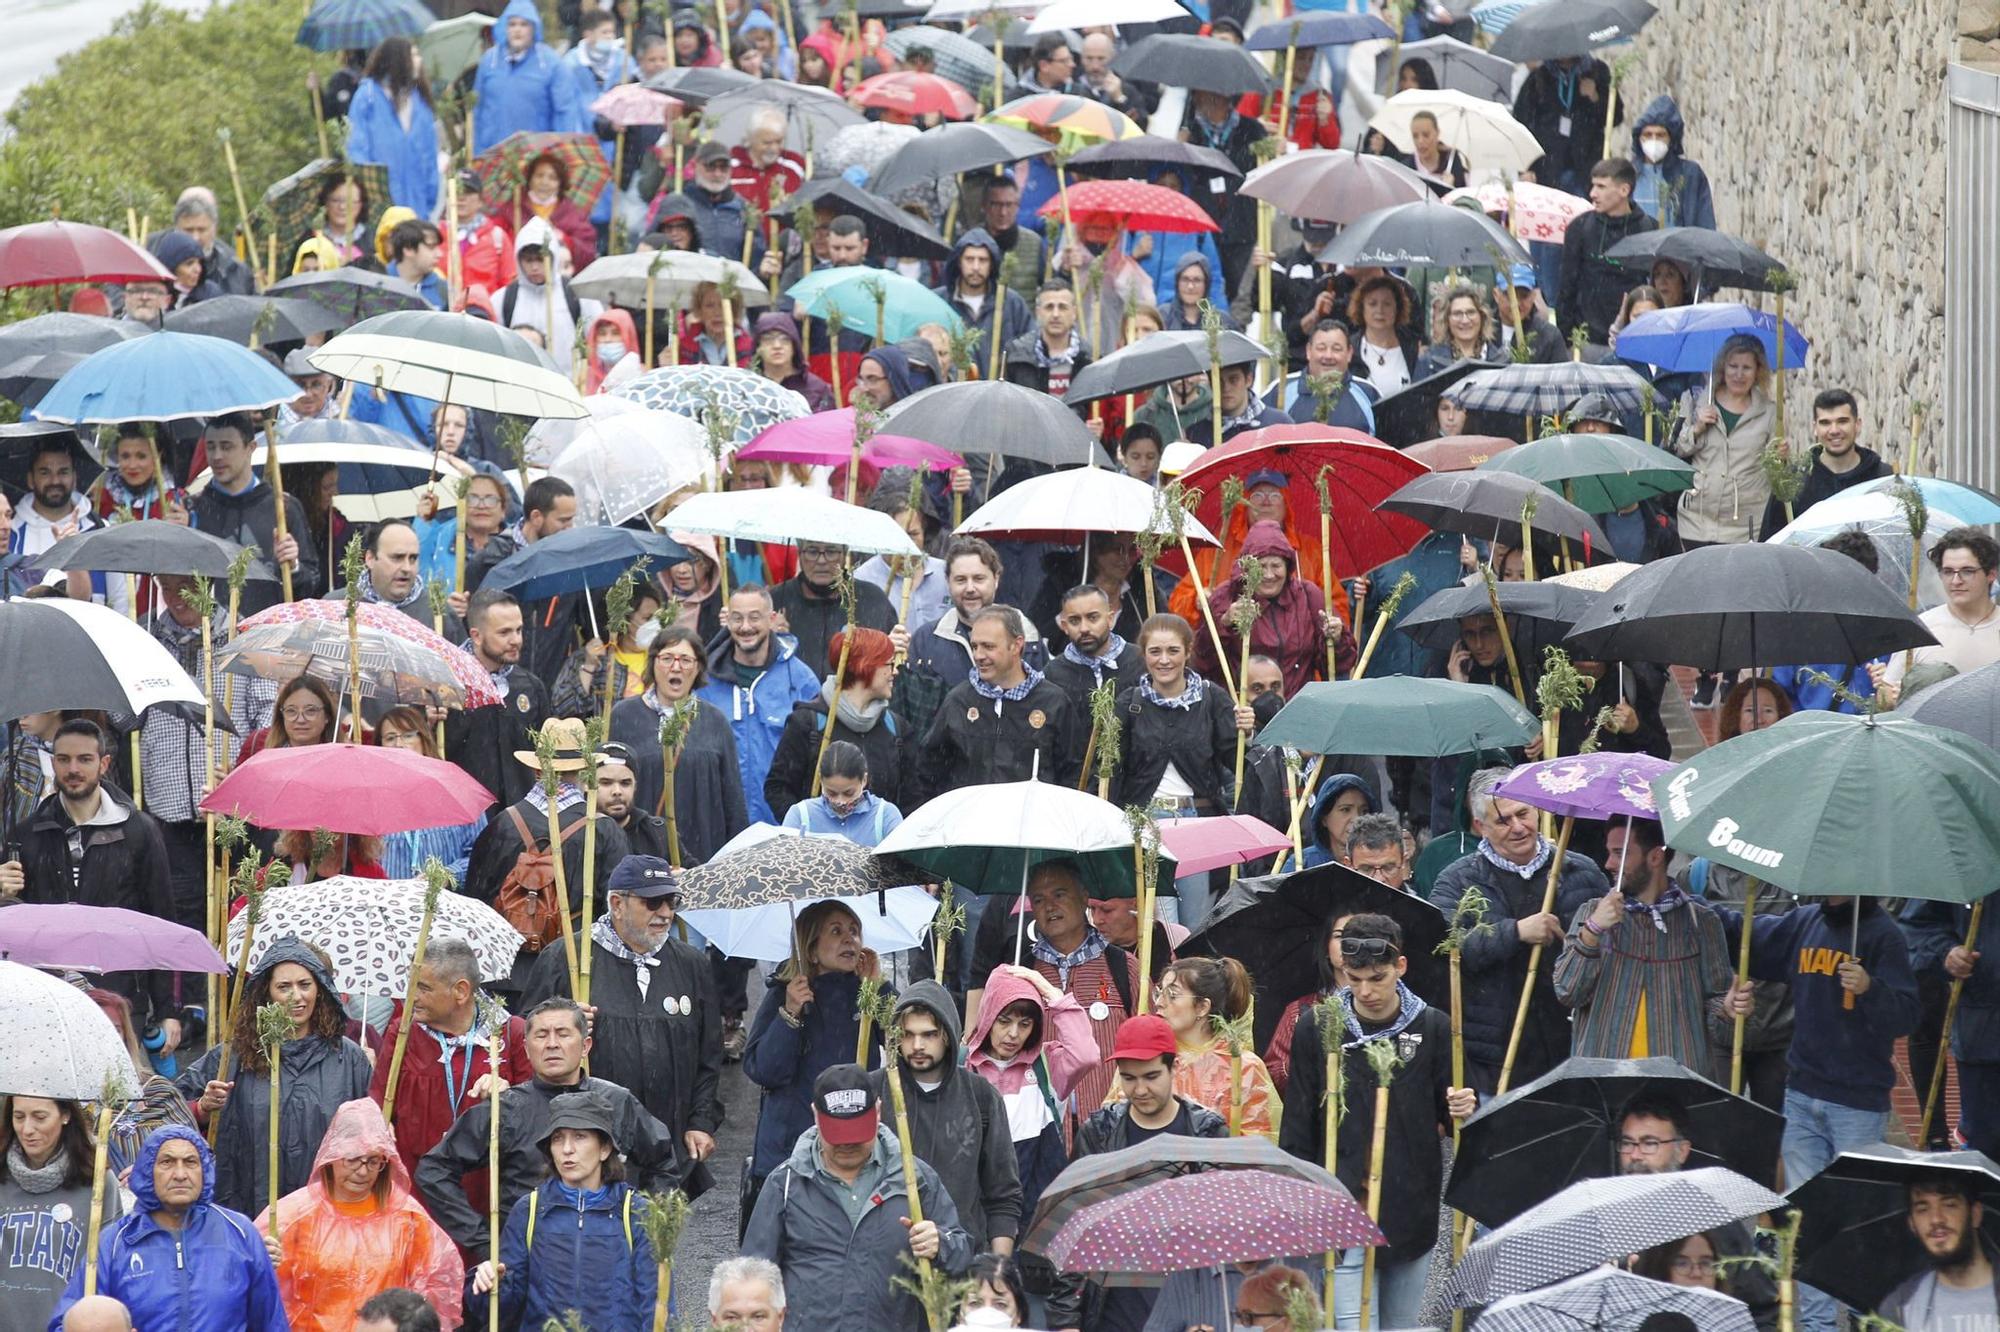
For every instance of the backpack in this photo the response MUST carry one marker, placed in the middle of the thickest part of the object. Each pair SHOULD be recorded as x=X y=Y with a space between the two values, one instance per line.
x=512 y=292
x=535 y=1206
x=527 y=895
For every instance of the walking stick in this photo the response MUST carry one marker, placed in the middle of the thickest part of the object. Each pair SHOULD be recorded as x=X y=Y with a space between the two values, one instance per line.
x=255 y=885
x=1110 y=731
x=1324 y=490
x=1743 y=974
x=1382 y=1061
x=1243 y=613
x=1486 y=572
x=350 y=571
x=949 y=920
x=1232 y=498
x=869 y=1004
x=1944 y=1038
x=1330 y=1015
x=545 y=755
x=594 y=731
x=1529 y=504
x=844 y=586
x=892 y=1058
x=1211 y=326
x=1300 y=800
x=1235 y=1035
x=1145 y=869
x=1383 y=614
x=494 y=1014
x=436 y=879
x=1186 y=500
x=276 y=471
x=242 y=206
x=114 y=1093
x=1535 y=957
x=675 y=723
x=273 y=1030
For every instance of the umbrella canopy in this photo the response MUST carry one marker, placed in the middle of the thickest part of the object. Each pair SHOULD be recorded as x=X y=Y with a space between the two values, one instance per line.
x=547 y=438
x=1523 y=1148
x=1065 y=506
x=1182 y=60
x=248 y=319
x=431 y=670
x=1399 y=714
x=789 y=515
x=1430 y=233
x=748 y=402
x=1079 y=118
x=826 y=439
x=36 y=352
x=1609 y=1300
x=361 y=25
x=1597 y=473
x=1131 y=203
x=987 y=838
x=1153 y=361
x=56 y=653
x=1147 y=153
x=1688 y=338
x=1485 y=131
x=1573 y=28
x=621 y=279
x=1410 y=414
x=1365 y=472
x=150 y=546
x=1487 y=505
x=369 y=928
x=504 y=166
x=1975 y=505
x=1781 y=804
x=891 y=231
x=623 y=465
x=1458 y=453
x=1538 y=212
x=812 y=115
x=954 y=55
x=1712 y=258
x=1602 y=1221
x=910 y=93
x=1539 y=615
x=1968 y=704
x=1880 y=516
x=47 y=254
x=165 y=377
x=630 y=104
x=449 y=358
x=994 y=416
x=784 y=870
x=73 y=937
x=891 y=921
x=1493 y=16
x=698 y=86
x=1724 y=608
x=58 y=1044
x=380 y=471
x=370 y=790
x=1459 y=66
x=1308 y=30
x=452 y=46
x=852 y=293
x=582 y=558
x=950 y=149
x=293 y=207
x=1854 y=1239
x=352 y=294
x=1069 y=14
x=1334 y=184
x=1596 y=578
x=1200 y=845
x=1598 y=785
x=1527 y=389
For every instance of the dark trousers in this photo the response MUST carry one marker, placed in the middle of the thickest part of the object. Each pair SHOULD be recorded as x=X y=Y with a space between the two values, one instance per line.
x=1927 y=1046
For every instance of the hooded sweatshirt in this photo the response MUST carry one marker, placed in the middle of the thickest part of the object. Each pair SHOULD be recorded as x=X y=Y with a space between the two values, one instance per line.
x=1016 y=318
x=1172 y=315
x=816 y=391
x=42 y=1224
x=1330 y=790
x=530 y=91
x=529 y=306
x=619 y=320
x=1038 y=1079
x=959 y=1127
x=1674 y=193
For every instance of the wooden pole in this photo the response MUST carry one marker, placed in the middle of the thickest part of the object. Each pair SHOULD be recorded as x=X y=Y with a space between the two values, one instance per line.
x=1207 y=614
x=493 y=1168
x=1376 y=1150
x=1535 y=956
x=1506 y=638
x=276 y=473
x=1932 y=1098
x=1743 y=974
x=409 y=1003
x=1142 y=886
x=100 y=1172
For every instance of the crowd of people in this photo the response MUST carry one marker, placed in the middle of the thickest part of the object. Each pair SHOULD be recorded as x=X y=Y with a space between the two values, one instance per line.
x=834 y=696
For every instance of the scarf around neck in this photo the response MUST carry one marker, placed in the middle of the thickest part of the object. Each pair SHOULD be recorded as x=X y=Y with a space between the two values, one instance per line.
x=604 y=936
x=1071 y=350
x=1192 y=692
x=368 y=592
x=1544 y=848
x=996 y=695
x=44 y=1178
x=1092 y=947
x=862 y=719
x=1408 y=1007
x=1107 y=660
x=1670 y=900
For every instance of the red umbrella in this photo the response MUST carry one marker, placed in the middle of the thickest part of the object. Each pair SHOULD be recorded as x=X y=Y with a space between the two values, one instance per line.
x=1200 y=845
x=43 y=254
x=361 y=789
x=1458 y=453
x=913 y=93
x=1132 y=204
x=826 y=439
x=1365 y=472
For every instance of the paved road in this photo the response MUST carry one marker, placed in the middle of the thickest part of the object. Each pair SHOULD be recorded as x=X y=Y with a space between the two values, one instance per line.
x=711 y=1232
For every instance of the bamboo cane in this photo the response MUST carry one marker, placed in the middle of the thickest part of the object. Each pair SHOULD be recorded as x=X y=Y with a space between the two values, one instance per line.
x=651 y=280
x=1506 y=638
x=1143 y=888
x=839 y=671
x=1299 y=803
x=892 y=1048
x=101 y=1170
x=493 y=1171
x=1329 y=1015
x=350 y=568
x=1743 y=974
x=1535 y=956
x=1285 y=94
x=1788 y=1288
x=1935 y=1094
x=1376 y=1150
x=870 y=1003
x=545 y=751
x=1208 y=615
x=242 y=205
x=1243 y=619
x=276 y=473
x=272 y=1029
x=436 y=878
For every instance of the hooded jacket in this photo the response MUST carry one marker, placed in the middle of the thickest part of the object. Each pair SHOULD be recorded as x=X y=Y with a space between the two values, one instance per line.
x=1289 y=629
x=211 y=1275
x=814 y=618
x=42 y=1225
x=1016 y=317
x=375 y=133
x=1675 y=193
x=1330 y=790
x=1172 y=250
x=784 y=1060
x=816 y=391
x=532 y=92
x=620 y=320
x=334 y=1260
x=1038 y=1080
x=1823 y=483
x=758 y=711
x=1167 y=282
x=959 y=1128
x=589 y=1253
x=249 y=518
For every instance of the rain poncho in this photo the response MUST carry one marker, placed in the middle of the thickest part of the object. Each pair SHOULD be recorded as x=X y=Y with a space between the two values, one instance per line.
x=529 y=92
x=378 y=131
x=337 y=1255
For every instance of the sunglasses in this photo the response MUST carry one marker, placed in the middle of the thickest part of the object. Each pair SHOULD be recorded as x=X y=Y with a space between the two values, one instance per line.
x=1368 y=952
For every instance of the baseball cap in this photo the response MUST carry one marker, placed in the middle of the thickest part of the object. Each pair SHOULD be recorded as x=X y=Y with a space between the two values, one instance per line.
x=844 y=1105
x=644 y=876
x=713 y=151
x=469 y=182
x=1596 y=407
x=1265 y=476
x=298 y=363
x=1522 y=277
x=1144 y=1037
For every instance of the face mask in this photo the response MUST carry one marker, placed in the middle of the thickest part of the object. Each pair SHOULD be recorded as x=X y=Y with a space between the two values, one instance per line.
x=644 y=635
x=611 y=353
x=1266 y=706
x=1654 y=149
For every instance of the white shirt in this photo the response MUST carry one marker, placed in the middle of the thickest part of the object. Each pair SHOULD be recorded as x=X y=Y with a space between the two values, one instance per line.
x=1387 y=370
x=1966 y=646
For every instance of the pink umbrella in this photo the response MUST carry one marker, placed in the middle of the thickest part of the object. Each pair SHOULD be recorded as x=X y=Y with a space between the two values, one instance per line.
x=630 y=104
x=827 y=439
x=45 y=254
x=361 y=789
x=1540 y=213
x=468 y=674
x=96 y=938
x=1201 y=845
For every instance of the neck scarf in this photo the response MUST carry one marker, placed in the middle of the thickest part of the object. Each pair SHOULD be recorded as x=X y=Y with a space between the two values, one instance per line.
x=1107 y=660
x=1067 y=356
x=1000 y=697
x=604 y=936
x=1544 y=848
x=368 y=592
x=44 y=1178
x=1408 y=1006
x=567 y=794
x=136 y=500
x=500 y=677
x=1669 y=900
x=1191 y=693
x=1093 y=946
x=1252 y=409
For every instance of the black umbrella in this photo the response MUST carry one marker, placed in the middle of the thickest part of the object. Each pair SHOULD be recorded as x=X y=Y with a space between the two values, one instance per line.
x=151 y=546
x=1573 y=28
x=1427 y=234
x=1724 y=608
x=267 y=319
x=1409 y=415
x=352 y=294
x=35 y=353
x=1539 y=615
x=1487 y=505
x=1156 y=360
x=1144 y=154
x=891 y=231
x=1712 y=258
x=1273 y=925
x=696 y=86
x=1968 y=704
x=994 y=416
x=19 y=441
x=950 y=149
x=1854 y=1235
x=1542 y=1137
x=1206 y=64
x=1305 y=31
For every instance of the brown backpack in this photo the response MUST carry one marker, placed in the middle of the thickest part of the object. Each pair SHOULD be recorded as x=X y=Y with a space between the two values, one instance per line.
x=527 y=895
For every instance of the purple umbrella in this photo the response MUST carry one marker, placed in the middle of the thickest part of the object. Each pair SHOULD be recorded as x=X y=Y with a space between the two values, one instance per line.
x=94 y=938
x=1589 y=786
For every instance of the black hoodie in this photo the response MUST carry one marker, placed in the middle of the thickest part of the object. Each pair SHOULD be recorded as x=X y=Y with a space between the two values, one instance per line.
x=1823 y=483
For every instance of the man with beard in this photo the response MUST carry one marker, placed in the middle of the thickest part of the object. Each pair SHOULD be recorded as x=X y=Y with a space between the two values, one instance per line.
x=617 y=788
x=390 y=555
x=809 y=608
x=1022 y=249
x=548 y=628
x=1095 y=652
x=972 y=288
x=483 y=741
x=755 y=676
x=54 y=510
x=941 y=651
x=1956 y=1293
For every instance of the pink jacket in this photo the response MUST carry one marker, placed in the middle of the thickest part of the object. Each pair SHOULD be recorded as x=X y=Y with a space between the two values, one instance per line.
x=1064 y=1037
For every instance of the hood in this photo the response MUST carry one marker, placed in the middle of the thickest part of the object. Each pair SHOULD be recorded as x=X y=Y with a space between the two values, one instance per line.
x=777 y=321
x=924 y=363
x=936 y=1000
x=676 y=207
x=1666 y=113
x=618 y=319
x=895 y=363
x=1003 y=987
x=1194 y=259
x=1331 y=790
x=288 y=948
x=358 y=1129
x=982 y=238
x=391 y=219
x=1268 y=538
x=828 y=47
x=320 y=248
x=757 y=21
x=537 y=231
x=174 y=248
x=142 y=1169
x=521 y=9
x=692 y=22
x=701 y=544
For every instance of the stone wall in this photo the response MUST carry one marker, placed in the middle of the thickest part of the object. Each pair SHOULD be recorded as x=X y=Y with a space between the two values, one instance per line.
x=1821 y=127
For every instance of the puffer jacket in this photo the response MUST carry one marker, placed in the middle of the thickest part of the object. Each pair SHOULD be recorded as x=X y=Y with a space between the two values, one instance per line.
x=1726 y=503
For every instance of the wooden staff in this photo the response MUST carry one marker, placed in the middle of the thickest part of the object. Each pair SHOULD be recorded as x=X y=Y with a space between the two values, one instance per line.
x=1322 y=484
x=1299 y=803
x=892 y=1050
x=1932 y=1098
x=1535 y=956
x=493 y=1167
x=1385 y=613
x=674 y=727
x=1330 y=1015
x=1506 y=638
x=276 y=473
x=1143 y=888
x=350 y=569
x=242 y=211
x=1243 y=615
x=1743 y=974
x=839 y=672
x=273 y=1028
x=1382 y=1059
x=545 y=752
x=436 y=877
x=1208 y=615
x=101 y=1170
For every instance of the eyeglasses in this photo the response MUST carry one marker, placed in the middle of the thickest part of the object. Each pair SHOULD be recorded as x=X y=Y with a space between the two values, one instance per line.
x=1647 y=1146
x=821 y=554
x=1687 y=1266
x=313 y=712
x=677 y=659
x=482 y=501
x=366 y=1162
x=1249 y=1318
x=1368 y=952
x=1959 y=575
x=1168 y=994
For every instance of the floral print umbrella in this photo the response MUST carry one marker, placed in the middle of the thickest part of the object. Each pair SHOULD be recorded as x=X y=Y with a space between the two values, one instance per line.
x=750 y=403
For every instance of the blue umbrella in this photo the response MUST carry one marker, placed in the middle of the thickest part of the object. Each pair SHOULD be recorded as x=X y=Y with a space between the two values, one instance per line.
x=1327 y=28
x=166 y=377
x=1969 y=503
x=907 y=304
x=1689 y=337
x=580 y=559
x=361 y=25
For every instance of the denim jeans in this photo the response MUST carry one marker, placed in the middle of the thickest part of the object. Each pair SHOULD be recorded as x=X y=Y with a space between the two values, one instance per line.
x=1397 y=1297
x=1816 y=1131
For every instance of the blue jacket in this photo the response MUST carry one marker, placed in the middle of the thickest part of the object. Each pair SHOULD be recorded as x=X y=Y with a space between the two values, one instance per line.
x=757 y=713
x=1353 y=410
x=871 y=819
x=1330 y=790
x=1934 y=929
x=1163 y=264
x=584 y=1259
x=212 y=1275
x=784 y=1060
x=375 y=134
x=533 y=92
x=623 y=69
x=1675 y=193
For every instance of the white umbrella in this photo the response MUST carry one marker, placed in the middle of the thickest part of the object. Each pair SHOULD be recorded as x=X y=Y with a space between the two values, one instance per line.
x=1334 y=184
x=1613 y=1301
x=453 y=358
x=1879 y=516
x=369 y=928
x=956 y=11
x=548 y=437
x=58 y=1043
x=56 y=653
x=1486 y=132
x=1096 y=13
x=620 y=279
x=1065 y=506
x=790 y=515
x=624 y=464
x=890 y=922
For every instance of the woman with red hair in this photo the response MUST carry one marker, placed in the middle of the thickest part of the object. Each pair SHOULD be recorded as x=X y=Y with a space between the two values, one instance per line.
x=860 y=705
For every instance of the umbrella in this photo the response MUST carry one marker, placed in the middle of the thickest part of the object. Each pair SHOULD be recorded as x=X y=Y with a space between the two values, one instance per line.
x=1067 y=506
x=1597 y=578
x=783 y=869
x=73 y=937
x=1688 y=338
x=1064 y=15
x=986 y=838
x=1724 y=608
x=1074 y=117
x=56 y=654
x=1181 y=60
x=1334 y=184
x=891 y=231
x=698 y=86
x=826 y=439
x=906 y=304
x=1880 y=516
x=368 y=790
x=1200 y=845
x=380 y=471
x=1274 y=925
x=1713 y=258
x=47 y=254
x=992 y=416
x=250 y=319
x=1854 y=1238
x=150 y=546
x=630 y=104
x=1461 y=67
x=1609 y=1300
x=361 y=25
x=623 y=465
x=1493 y=16
x=891 y=921
x=1146 y=153
x=1155 y=360
x=58 y=1043
x=1399 y=714
x=293 y=204
x=1978 y=506
x=1597 y=473
x=811 y=114
x=165 y=377
x=1544 y=390
x=1307 y=30
x=950 y=149
x=1523 y=1148
x=1539 y=615
x=789 y=515
x=393 y=672
x=1203 y=1220
x=1132 y=204
x=36 y=352
x=435 y=669
x=454 y=358
x=953 y=54
x=911 y=93
x=1968 y=704
x=369 y=928
x=1539 y=212
x=1366 y=471
x=582 y=558
x=1485 y=131
x=1456 y=453
x=620 y=279
x=1431 y=233
x=1598 y=785
x=504 y=166
x=1781 y=804
x=1573 y=28
x=452 y=46
x=352 y=294
x=749 y=402
x=1487 y=505
x=1601 y=1221
x=1410 y=413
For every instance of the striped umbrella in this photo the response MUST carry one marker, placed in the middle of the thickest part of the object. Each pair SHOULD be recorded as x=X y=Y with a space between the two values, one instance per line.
x=1493 y=16
x=504 y=166
x=361 y=25
x=1076 y=116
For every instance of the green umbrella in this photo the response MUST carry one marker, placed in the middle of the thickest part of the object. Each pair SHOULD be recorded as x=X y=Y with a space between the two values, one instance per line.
x=1400 y=714
x=292 y=204
x=452 y=46
x=1830 y=804
x=1597 y=473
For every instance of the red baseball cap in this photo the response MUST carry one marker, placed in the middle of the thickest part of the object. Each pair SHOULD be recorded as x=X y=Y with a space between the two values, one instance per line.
x=1144 y=1037
x=845 y=1107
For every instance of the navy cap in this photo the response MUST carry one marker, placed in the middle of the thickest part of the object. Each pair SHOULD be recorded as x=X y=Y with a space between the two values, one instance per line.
x=644 y=876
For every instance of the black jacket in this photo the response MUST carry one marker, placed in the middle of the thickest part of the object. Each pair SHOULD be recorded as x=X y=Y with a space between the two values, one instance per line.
x=789 y=779
x=1199 y=741
x=1593 y=288
x=1108 y=1129
x=483 y=741
x=1019 y=366
x=1545 y=340
x=1644 y=685
x=1540 y=107
x=813 y=620
x=250 y=519
x=1078 y=681
x=974 y=740
x=645 y=834
x=1823 y=484
x=550 y=626
x=709 y=808
x=498 y=846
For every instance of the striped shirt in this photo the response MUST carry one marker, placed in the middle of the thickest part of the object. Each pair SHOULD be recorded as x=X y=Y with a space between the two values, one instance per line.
x=1638 y=970
x=405 y=853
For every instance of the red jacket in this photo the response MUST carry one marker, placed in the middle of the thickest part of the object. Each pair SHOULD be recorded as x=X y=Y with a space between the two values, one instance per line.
x=757 y=184
x=422 y=1116
x=1289 y=629
x=568 y=219
x=486 y=256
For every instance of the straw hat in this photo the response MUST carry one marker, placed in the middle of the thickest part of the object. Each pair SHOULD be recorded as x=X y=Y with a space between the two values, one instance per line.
x=569 y=736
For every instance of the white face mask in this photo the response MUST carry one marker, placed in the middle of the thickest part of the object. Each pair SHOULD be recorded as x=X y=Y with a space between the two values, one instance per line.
x=648 y=630
x=1654 y=149
x=611 y=353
